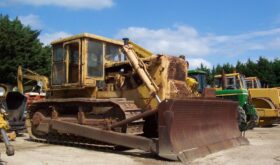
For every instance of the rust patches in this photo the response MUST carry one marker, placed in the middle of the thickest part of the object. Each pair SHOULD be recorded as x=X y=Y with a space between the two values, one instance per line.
x=193 y=128
x=177 y=69
x=54 y=113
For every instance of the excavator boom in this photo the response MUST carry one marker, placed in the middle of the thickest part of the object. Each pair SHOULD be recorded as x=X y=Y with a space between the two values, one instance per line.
x=30 y=75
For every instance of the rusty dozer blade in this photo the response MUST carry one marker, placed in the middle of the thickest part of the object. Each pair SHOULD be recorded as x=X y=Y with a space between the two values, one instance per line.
x=193 y=128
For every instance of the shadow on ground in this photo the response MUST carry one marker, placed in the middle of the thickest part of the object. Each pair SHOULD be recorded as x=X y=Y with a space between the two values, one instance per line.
x=112 y=150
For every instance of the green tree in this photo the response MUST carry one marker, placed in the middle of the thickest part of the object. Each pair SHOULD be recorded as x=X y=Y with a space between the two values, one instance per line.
x=276 y=72
x=240 y=67
x=228 y=68
x=19 y=45
x=264 y=71
x=251 y=68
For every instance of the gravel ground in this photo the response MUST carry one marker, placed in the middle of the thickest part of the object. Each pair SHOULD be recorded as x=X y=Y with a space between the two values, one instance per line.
x=264 y=148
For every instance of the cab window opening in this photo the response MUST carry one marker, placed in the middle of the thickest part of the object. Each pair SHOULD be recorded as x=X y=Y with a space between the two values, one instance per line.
x=58 y=71
x=95 y=59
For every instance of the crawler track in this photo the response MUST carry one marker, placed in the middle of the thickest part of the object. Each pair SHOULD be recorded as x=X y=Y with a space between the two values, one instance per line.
x=127 y=107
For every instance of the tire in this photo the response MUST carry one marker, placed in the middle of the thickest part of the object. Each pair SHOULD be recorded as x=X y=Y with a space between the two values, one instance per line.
x=252 y=118
x=242 y=119
x=253 y=121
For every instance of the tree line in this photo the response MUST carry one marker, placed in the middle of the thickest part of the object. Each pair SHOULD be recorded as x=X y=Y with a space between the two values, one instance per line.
x=268 y=71
x=20 y=45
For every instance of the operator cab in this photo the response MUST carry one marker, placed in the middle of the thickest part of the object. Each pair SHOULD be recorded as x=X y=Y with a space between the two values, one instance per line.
x=233 y=81
x=252 y=82
x=79 y=60
x=200 y=77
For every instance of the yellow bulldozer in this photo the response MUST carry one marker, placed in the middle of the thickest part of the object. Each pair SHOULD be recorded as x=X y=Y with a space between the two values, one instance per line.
x=266 y=101
x=116 y=93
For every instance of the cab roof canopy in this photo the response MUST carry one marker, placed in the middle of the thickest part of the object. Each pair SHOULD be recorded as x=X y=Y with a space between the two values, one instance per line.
x=197 y=71
x=87 y=35
x=228 y=75
x=251 y=78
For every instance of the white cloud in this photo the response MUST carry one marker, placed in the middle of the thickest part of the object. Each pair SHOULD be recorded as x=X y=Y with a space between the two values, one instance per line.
x=31 y=20
x=196 y=62
x=188 y=41
x=242 y=43
x=179 y=40
x=47 y=38
x=71 y=4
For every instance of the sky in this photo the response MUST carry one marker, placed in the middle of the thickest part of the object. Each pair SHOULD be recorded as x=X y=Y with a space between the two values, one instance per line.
x=210 y=32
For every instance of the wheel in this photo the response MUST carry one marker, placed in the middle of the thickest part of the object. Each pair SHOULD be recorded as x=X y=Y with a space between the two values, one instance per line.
x=36 y=119
x=251 y=115
x=252 y=121
x=242 y=119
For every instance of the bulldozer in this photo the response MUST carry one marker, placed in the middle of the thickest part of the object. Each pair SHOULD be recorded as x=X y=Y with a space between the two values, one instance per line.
x=266 y=101
x=116 y=93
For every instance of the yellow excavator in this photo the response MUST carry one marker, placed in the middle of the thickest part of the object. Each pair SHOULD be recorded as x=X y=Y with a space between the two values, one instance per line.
x=116 y=93
x=38 y=91
x=42 y=81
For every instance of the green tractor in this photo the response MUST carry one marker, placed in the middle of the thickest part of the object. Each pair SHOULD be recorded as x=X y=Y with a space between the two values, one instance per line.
x=233 y=87
x=201 y=78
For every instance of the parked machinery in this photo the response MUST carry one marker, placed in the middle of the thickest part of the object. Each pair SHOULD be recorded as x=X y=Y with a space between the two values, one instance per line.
x=6 y=134
x=38 y=90
x=115 y=92
x=252 y=82
x=200 y=77
x=15 y=104
x=232 y=86
x=204 y=89
x=266 y=101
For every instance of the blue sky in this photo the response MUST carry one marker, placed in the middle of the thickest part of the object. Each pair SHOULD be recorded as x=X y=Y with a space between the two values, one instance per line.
x=211 y=32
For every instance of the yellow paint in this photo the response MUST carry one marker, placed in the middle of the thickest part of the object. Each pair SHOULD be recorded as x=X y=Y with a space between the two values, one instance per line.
x=139 y=86
x=273 y=94
x=262 y=112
